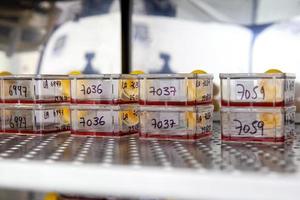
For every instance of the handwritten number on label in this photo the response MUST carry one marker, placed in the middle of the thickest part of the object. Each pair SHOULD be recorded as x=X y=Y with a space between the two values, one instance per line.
x=96 y=121
x=290 y=118
x=133 y=84
x=289 y=85
x=247 y=94
x=60 y=98
x=203 y=83
x=52 y=84
x=17 y=122
x=92 y=89
x=59 y=112
x=262 y=91
x=249 y=128
x=163 y=124
x=17 y=90
x=206 y=116
x=165 y=91
x=133 y=128
x=206 y=128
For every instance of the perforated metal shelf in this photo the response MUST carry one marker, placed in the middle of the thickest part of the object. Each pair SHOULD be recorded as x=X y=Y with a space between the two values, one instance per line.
x=132 y=167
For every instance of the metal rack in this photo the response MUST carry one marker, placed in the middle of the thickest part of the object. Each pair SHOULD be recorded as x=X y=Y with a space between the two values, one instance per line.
x=130 y=167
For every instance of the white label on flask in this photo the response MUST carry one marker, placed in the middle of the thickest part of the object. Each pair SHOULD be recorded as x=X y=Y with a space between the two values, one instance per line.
x=96 y=120
x=247 y=126
x=50 y=89
x=204 y=122
x=165 y=120
x=48 y=116
x=19 y=120
x=94 y=89
x=17 y=89
x=166 y=90
x=259 y=125
x=289 y=91
x=247 y=90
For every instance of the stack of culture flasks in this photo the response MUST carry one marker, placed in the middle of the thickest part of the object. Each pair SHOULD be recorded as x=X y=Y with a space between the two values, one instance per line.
x=258 y=107
x=104 y=105
x=175 y=106
x=34 y=104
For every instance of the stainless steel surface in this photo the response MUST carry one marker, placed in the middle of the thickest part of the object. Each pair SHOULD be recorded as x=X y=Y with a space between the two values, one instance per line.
x=133 y=168
x=210 y=153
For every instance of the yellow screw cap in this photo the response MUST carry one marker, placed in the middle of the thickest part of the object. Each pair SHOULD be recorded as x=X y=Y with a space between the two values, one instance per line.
x=5 y=73
x=75 y=72
x=273 y=71
x=51 y=196
x=136 y=72
x=199 y=71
